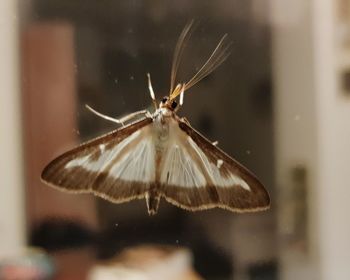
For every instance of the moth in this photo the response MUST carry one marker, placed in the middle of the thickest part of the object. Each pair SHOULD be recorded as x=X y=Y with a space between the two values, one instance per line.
x=158 y=155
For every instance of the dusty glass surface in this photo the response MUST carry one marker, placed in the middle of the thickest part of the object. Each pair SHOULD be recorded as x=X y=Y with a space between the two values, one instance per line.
x=264 y=105
x=115 y=45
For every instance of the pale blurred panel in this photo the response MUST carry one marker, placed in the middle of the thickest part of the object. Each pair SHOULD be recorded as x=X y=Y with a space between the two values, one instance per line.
x=333 y=115
x=312 y=107
x=50 y=113
x=295 y=142
x=12 y=226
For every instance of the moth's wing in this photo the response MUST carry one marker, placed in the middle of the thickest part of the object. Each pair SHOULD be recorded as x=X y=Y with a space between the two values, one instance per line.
x=118 y=166
x=197 y=175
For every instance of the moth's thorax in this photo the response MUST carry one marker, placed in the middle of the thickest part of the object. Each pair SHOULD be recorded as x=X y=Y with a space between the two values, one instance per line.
x=164 y=112
x=163 y=119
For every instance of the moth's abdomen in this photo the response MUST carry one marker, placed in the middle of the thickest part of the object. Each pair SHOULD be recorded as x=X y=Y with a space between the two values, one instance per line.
x=152 y=201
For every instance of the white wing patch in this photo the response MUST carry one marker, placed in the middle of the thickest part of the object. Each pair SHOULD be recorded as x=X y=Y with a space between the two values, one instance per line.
x=133 y=159
x=180 y=169
x=138 y=164
x=219 y=162
x=214 y=170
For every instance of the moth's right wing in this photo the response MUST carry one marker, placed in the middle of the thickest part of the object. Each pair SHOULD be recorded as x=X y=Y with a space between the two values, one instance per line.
x=118 y=166
x=197 y=175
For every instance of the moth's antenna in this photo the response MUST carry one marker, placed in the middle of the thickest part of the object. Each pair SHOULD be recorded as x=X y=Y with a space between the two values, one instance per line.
x=179 y=48
x=218 y=56
x=151 y=92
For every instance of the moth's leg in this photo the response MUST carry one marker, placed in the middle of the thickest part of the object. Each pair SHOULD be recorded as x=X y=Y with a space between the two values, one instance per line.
x=151 y=92
x=121 y=120
x=181 y=101
x=102 y=115
x=185 y=120
x=133 y=115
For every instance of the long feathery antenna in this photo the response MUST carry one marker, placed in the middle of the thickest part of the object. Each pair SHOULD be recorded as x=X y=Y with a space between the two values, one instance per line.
x=180 y=46
x=218 y=56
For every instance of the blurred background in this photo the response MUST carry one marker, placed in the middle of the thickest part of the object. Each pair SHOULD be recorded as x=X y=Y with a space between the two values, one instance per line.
x=280 y=105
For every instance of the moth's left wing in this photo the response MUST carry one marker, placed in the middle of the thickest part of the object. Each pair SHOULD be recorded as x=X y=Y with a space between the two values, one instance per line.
x=118 y=166
x=197 y=175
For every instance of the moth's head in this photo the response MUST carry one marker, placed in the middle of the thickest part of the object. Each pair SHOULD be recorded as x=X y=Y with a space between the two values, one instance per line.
x=168 y=103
